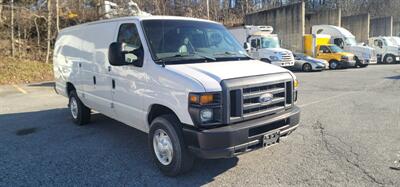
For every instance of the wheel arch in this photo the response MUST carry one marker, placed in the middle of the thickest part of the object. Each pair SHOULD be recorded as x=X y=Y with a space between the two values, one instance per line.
x=156 y=110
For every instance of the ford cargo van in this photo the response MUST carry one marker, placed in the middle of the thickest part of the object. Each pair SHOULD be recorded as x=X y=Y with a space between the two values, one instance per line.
x=186 y=82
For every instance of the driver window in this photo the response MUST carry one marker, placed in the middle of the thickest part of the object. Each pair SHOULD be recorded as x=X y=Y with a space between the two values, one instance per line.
x=324 y=49
x=253 y=43
x=129 y=35
x=339 y=42
x=379 y=43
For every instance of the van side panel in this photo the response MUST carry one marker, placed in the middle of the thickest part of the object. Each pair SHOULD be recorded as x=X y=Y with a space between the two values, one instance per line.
x=66 y=61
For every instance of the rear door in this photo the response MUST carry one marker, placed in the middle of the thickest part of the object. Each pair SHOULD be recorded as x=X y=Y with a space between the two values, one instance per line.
x=129 y=81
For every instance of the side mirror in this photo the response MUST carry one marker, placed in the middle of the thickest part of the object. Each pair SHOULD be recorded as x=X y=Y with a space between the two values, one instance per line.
x=247 y=46
x=117 y=55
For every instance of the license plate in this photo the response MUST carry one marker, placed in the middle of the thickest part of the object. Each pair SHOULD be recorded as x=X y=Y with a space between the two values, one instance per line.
x=271 y=138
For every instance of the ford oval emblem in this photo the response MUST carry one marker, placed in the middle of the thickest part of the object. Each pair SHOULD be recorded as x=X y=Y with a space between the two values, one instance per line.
x=266 y=98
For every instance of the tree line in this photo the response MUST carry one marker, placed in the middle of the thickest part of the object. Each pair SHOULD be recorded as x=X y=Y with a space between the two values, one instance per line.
x=28 y=28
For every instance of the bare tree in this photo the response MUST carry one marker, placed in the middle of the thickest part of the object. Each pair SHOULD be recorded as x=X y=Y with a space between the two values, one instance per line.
x=12 y=29
x=48 y=30
x=57 y=16
x=1 y=10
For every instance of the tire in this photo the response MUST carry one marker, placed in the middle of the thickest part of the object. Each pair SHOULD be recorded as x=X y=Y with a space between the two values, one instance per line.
x=181 y=160
x=79 y=112
x=307 y=67
x=333 y=64
x=389 y=59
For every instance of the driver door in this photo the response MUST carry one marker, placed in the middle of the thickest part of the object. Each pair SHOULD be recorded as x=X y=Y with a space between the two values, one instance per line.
x=128 y=81
x=255 y=46
x=324 y=53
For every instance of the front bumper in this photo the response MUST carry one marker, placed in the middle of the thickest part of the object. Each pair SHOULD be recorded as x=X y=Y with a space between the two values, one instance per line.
x=347 y=64
x=283 y=63
x=229 y=141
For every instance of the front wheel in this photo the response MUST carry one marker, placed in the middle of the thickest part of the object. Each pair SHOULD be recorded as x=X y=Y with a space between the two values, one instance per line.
x=333 y=64
x=307 y=67
x=389 y=59
x=168 y=147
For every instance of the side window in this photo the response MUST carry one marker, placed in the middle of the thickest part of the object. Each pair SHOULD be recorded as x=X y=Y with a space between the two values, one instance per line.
x=324 y=49
x=339 y=42
x=258 y=43
x=253 y=43
x=129 y=35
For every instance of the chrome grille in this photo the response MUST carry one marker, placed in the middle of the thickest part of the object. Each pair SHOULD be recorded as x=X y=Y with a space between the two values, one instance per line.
x=251 y=97
x=286 y=57
x=243 y=96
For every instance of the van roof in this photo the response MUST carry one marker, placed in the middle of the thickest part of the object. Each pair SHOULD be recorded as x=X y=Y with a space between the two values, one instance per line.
x=139 y=18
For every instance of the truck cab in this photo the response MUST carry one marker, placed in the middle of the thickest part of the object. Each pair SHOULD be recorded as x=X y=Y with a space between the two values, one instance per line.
x=344 y=39
x=261 y=44
x=388 y=48
x=336 y=57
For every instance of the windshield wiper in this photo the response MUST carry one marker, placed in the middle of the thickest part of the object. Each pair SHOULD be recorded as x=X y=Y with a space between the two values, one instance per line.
x=180 y=55
x=231 y=53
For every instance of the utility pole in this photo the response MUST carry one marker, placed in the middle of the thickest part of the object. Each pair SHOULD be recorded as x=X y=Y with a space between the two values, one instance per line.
x=208 y=9
x=12 y=28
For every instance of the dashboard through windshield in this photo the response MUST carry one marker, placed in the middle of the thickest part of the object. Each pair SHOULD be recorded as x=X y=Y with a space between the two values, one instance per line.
x=184 y=41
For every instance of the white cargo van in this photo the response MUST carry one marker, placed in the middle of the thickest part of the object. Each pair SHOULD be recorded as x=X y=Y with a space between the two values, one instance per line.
x=347 y=41
x=263 y=45
x=186 y=82
x=388 y=50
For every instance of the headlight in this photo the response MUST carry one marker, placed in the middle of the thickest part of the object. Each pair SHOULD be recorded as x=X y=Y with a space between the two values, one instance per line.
x=205 y=109
x=274 y=58
x=206 y=115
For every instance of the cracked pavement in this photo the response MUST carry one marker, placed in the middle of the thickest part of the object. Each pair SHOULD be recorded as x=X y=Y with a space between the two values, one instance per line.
x=349 y=135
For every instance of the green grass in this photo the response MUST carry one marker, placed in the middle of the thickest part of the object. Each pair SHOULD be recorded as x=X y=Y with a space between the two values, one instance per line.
x=17 y=71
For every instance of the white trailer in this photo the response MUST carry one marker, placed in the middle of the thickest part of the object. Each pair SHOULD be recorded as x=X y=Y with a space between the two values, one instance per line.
x=261 y=44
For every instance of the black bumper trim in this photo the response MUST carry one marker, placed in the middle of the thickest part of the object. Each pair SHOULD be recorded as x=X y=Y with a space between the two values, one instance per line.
x=229 y=141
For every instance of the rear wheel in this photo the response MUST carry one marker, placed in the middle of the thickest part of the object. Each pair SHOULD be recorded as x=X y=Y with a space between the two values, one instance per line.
x=307 y=67
x=79 y=112
x=168 y=147
x=389 y=59
x=333 y=64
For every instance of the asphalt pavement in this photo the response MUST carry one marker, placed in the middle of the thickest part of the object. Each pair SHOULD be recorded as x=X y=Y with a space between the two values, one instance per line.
x=349 y=135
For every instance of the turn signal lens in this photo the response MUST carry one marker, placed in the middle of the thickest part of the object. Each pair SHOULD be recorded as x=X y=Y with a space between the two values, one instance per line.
x=201 y=99
x=296 y=83
x=206 y=99
x=194 y=99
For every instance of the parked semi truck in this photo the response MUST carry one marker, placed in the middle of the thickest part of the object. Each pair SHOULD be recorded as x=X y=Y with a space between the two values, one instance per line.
x=387 y=48
x=343 y=38
x=318 y=46
x=261 y=44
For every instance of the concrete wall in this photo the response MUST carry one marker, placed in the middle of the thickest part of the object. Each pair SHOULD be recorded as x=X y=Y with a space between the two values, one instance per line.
x=288 y=23
x=358 y=25
x=322 y=17
x=396 y=28
x=381 y=26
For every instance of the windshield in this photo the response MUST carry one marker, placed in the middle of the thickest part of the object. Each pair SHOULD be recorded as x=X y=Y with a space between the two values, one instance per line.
x=351 y=41
x=335 y=49
x=181 y=41
x=270 y=42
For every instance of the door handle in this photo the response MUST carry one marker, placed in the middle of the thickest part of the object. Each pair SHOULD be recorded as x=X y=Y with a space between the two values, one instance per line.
x=94 y=80
x=113 y=84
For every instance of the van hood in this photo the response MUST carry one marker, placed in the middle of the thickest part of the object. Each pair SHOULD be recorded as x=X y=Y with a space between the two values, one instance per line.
x=211 y=74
